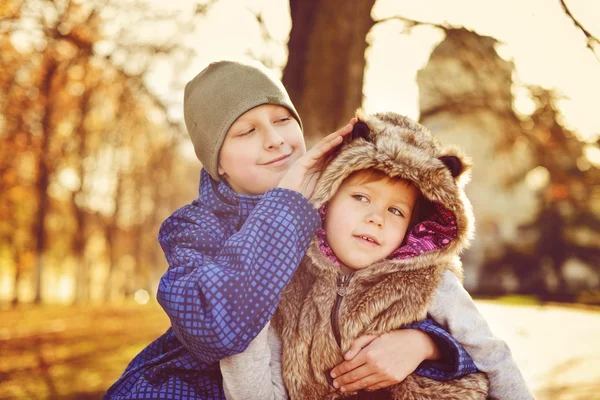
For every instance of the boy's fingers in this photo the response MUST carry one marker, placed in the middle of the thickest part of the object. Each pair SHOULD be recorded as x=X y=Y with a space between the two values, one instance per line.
x=353 y=376
x=328 y=143
x=342 y=131
x=380 y=385
x=347 y=366
x=361 y=383
x=346 y=129
x=359 y=343
x=323 y=148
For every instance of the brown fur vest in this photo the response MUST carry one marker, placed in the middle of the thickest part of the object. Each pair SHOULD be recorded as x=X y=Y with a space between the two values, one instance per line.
x=379 y=299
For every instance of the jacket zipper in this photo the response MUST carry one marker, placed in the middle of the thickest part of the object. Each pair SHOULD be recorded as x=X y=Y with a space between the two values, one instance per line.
x=342 y=289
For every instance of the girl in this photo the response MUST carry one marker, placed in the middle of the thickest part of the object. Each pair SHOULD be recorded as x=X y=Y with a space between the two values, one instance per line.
x=395 y=218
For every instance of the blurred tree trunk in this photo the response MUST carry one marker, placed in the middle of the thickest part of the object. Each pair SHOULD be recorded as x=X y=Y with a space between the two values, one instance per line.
x=80 y=238
x=15 y=293
x=115 y=137
x=79 y=243
x=164 y=175
x=140 y=276
x=324 y=73
x=43 y=176
x=18 y=254
x=110 y=234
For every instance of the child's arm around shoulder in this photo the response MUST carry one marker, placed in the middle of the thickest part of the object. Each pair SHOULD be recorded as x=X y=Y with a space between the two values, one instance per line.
x=453 y=308
x=219 y=292
x=256 y=373
x=221 y=289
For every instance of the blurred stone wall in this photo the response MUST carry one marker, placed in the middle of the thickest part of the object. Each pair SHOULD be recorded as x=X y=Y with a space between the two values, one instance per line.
x=465 y=99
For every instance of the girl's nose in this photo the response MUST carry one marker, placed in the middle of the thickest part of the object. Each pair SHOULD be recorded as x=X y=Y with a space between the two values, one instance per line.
x=375 y=217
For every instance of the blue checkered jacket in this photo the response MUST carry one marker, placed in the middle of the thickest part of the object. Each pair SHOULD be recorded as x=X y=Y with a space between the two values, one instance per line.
x=230 y=257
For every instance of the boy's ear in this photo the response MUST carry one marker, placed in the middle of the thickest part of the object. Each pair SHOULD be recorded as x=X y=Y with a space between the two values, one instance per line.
x=454 y=164
x=360 y=130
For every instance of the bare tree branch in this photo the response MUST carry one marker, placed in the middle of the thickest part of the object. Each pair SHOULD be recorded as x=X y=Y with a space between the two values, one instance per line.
x=205 y=8
x=591 y=40
x=267 y=39
x=411 y=23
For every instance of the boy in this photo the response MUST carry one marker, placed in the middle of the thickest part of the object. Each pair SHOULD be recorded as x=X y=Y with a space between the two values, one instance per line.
x=232 y=251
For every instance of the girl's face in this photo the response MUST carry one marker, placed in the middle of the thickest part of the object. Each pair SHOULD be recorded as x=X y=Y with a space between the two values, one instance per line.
x=366 y=222
x=259 y=148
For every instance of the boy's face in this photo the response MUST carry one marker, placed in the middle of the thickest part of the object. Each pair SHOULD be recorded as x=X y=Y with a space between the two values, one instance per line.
x=259 y=148
x=366 y=222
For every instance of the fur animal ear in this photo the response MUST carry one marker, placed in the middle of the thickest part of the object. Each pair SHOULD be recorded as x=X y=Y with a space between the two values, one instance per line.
x=454 y=164
x=361 y=130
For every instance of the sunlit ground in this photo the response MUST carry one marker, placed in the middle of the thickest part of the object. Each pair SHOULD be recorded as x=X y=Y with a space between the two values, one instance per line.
x=556 y=347
x=76 y=353
x=72 y=353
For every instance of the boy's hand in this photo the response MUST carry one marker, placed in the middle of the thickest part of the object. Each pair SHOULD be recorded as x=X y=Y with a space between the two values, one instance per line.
x=304 y=173
x=376 y=362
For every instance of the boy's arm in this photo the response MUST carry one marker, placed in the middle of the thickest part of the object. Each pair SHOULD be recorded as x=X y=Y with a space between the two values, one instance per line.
x=454 y=309
x=455 y=361
x=398 y=354
x=255 y=373
x=220 y=293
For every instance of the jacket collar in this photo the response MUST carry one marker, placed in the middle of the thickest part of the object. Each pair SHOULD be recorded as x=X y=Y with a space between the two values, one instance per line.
x=224 y=202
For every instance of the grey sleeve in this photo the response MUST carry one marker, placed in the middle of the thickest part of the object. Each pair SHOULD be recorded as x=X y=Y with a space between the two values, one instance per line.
x=248 y=375
x=275 y=344
x=454 y=309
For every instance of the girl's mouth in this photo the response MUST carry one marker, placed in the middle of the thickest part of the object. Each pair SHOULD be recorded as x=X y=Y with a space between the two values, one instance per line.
x=367 y=239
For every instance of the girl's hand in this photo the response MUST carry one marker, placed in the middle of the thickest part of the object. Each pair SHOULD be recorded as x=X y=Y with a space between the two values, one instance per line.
x=304 y=173
x=376 y=362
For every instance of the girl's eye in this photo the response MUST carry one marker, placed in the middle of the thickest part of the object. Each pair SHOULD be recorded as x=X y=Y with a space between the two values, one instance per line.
x=285 y=119
x=395 y=211
x=360 y=197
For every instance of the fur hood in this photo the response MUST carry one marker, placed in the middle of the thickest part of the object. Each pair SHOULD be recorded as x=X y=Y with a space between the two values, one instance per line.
x=400 y=147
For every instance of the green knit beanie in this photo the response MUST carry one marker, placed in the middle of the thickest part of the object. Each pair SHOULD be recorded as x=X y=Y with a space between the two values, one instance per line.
x=221 y=93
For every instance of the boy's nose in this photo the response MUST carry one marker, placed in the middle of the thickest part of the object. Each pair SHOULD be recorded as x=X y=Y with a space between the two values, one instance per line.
x=273 y=140
x=275 y=144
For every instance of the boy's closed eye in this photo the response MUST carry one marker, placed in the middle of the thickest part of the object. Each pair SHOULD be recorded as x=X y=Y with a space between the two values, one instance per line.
x=283 y=119
x=280 y=121
x=246 y=132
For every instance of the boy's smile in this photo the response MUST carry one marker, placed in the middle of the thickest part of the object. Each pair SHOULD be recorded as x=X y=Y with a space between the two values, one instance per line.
x=279 y=161
x=367 y=221
x=259 y=148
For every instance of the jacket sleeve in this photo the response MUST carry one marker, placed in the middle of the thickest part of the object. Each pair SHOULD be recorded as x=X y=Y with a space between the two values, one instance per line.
x=455 y=361
x=256 y=373
x=219 y=293
x=454 y=309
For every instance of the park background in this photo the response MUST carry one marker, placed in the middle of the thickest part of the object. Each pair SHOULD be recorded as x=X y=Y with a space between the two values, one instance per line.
x=94 y=156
